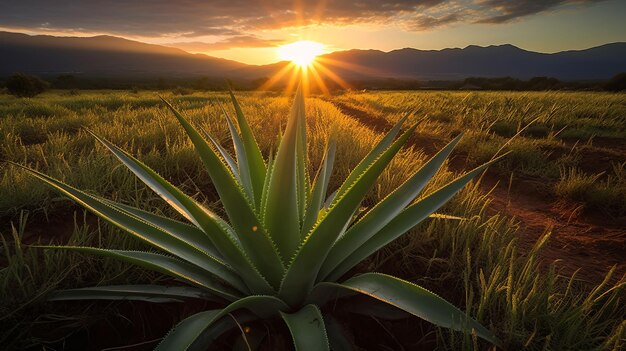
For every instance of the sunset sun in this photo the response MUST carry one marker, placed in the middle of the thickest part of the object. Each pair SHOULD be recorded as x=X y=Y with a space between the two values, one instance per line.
x=302 y=52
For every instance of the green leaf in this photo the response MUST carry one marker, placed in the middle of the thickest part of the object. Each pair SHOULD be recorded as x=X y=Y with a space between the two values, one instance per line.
x=207 y=337
x=256 y=242
x=374 y=308
x=182 y=203
x=304 y=268
x=149 y=293
x=266 y=186
x=185 y=334
x=329 y=201
x=337 y=339
x=413 y=299
x=380 y=147
x=146 y=232
x=180 y=230
x=225 y=155
x=320 y=188
x=281 y=215
x=303 y=183
x=307 y=329
x=212 y=225
x=242 y=159
x=406 y=220
x=163 y=264
x=385 y=211
x=253 y=152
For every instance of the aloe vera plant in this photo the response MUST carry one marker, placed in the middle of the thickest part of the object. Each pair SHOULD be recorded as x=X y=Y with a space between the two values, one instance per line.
x=285 y=248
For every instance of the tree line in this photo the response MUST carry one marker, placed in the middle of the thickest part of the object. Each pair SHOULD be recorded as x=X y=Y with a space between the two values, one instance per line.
x=24 y=85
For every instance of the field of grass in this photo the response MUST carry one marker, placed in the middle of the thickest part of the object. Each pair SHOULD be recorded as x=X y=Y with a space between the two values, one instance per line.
x=560 y=134
x=573 y=144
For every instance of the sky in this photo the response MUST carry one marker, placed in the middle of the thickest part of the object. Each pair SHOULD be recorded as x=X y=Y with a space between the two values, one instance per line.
x=249 y=31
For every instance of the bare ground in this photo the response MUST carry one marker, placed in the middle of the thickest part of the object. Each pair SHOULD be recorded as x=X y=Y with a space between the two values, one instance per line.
x=590 y=243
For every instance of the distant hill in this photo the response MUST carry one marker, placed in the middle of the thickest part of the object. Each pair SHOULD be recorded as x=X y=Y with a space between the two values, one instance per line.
x=116 y=57
x=102 y=56
x=600 y=62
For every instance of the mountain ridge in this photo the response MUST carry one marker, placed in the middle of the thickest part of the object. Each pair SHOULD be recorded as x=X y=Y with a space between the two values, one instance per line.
x=106 y=55
x=599 y=62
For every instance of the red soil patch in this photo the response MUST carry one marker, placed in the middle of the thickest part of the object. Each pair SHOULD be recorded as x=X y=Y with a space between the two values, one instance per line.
x=586 y=242
x=591 y=243
x=597 y=156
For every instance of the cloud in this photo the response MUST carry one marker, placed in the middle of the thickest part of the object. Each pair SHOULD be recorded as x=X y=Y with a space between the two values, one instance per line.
x=425 y=22
x=194 y=18
x=239 y=41
x=239 y=19
x=508 y=10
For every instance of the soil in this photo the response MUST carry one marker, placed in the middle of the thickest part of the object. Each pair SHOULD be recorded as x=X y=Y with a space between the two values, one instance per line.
x=590 y=243
x=598 y=156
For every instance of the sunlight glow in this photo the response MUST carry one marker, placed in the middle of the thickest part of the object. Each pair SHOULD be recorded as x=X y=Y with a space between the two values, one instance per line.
x=302 y=52
x=308 y=67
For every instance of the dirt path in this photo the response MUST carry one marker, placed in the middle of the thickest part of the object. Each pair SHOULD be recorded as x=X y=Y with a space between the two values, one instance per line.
x=592 y=244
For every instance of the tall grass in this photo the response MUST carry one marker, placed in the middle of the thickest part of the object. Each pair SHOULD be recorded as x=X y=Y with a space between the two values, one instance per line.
x=604 y=191
x=556 y=129
x=536 y=308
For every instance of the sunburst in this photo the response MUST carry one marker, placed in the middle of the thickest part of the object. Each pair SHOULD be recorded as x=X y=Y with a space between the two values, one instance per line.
x=304 y=64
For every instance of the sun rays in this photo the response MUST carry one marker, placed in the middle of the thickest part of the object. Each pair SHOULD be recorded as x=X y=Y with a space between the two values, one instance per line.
x=304 y=63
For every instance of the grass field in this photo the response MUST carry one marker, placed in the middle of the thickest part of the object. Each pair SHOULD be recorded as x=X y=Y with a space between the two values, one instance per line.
x=559 y=195
x=566 y=138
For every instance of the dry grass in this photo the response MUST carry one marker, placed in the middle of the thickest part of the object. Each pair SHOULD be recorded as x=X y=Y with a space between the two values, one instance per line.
x=476 y=261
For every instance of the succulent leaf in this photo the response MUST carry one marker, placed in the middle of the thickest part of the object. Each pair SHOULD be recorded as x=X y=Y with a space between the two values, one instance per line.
x=337 y=339
x=407 y=219
x=187 y=332
x=412 y=299
x=305 y=266
x=148 y=293
x=320 y=188
x=256 y=242
x=163 y=264
x=180 y=230
x=307 y=328
x=230 y=161
x=253 y=152
x=147 y=232
x=282 y=211
x=380 y=147
x=242 y=158
x=385 y=211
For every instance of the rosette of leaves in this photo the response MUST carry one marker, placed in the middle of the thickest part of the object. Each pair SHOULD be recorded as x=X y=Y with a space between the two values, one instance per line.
x=285 y=247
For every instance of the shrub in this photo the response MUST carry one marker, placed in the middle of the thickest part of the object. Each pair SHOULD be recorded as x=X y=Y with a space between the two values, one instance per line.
x=286 y=249
x=616 y=83
x=23 y=85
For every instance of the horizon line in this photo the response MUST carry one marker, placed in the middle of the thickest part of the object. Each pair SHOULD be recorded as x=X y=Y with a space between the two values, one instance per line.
x=74 y=36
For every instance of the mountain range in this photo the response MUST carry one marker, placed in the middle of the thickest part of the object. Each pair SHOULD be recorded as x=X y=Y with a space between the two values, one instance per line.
x=108 y=56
